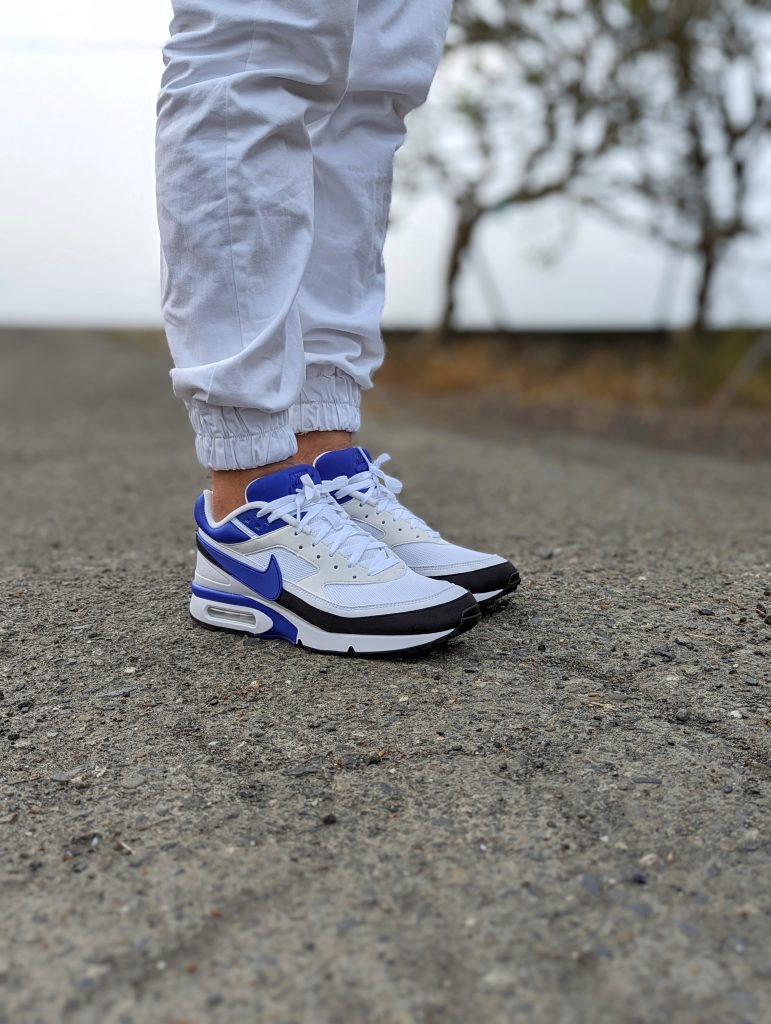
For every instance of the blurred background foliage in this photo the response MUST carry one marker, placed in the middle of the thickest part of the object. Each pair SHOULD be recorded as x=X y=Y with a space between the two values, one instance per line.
x=655 y=113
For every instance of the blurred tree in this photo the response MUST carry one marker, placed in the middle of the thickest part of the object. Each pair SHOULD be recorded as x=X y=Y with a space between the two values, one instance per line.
x=655 y=113
x=689 y=170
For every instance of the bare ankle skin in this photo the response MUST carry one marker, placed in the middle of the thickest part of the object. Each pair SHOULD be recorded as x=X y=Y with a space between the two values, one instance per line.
x=228 y=485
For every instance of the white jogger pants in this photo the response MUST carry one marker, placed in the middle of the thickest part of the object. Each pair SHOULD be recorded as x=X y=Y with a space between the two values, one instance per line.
x=278 y=121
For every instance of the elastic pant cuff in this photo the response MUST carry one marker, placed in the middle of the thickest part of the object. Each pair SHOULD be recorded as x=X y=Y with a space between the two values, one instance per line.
x=230 y=438
x=329 y=400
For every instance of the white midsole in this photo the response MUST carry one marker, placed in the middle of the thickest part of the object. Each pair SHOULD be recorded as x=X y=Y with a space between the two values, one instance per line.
x=487 y=595
x=250 y=620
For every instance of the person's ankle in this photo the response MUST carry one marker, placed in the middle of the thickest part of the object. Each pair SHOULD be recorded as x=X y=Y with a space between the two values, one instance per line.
x=315 y=443
x=228 y=485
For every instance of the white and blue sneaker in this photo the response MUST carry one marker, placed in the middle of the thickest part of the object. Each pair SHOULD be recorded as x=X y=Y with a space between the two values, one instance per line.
x=290 y=563
x=369 y=498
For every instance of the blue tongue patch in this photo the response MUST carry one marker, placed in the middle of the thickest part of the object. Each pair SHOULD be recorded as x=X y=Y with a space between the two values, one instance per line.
x=278 y=485
x=347 y=462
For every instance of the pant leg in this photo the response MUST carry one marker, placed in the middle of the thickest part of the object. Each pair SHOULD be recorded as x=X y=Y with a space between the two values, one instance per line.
x=245 y=81
x=396 y=48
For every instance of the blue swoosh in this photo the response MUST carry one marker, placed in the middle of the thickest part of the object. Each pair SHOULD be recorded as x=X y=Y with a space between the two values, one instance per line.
x=268 y=583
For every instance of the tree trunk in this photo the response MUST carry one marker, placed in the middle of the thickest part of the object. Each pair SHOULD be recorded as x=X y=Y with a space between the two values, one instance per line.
x=468 y=217
x=704 y=294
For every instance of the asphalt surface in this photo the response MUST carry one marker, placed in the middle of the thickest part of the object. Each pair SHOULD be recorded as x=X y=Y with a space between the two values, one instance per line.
x=562 y=817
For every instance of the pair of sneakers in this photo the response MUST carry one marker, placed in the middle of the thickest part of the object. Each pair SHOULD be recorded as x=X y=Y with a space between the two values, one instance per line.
x=326 y=557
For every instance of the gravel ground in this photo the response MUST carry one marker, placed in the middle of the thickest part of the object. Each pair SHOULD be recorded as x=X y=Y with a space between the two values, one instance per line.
x=562 y=817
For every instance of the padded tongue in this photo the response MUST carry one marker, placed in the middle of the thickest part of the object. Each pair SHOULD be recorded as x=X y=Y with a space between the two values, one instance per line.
x=278 y=485
x=347 y=462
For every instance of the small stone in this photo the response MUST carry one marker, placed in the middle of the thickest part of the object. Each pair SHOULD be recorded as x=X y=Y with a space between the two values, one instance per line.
x=68 y=775
x=500 y=977
x=592 y=884
x=132 y=781
x=347 y=925
x=682 y=714
x=329 y=819
x=646 y=780
x=641 y=909
x=705 y=611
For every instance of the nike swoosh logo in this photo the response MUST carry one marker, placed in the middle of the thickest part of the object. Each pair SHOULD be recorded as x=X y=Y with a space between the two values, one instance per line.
x=268 y=583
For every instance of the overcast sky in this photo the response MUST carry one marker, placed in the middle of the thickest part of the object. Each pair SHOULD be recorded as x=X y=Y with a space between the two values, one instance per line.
x=77 y=220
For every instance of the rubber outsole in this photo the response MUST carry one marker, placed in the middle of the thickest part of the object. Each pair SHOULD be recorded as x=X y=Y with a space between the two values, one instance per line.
x=469 y=619
x=511 y=586
x=487 y=584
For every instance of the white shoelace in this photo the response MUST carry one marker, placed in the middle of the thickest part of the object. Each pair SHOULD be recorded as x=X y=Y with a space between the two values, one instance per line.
x=312 y=510
x=374 y=487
